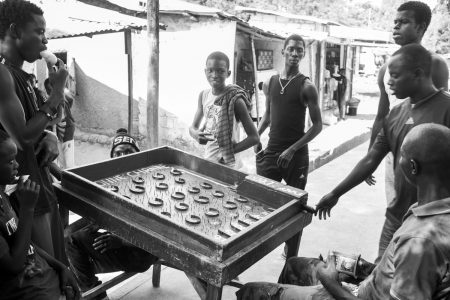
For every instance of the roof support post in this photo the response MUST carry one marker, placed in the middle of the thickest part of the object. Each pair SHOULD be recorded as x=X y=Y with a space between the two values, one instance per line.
x=255 y=77
x=129 y=53
x=153 y=74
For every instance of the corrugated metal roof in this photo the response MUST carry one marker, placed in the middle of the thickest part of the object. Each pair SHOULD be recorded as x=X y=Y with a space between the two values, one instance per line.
x=171 y=6
x=179 y=7
x=71 y=18
x=287 y=15
x=75 y=27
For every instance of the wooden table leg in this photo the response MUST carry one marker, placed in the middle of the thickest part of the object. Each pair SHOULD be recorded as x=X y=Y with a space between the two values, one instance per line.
x=156 y=277
x=213 y=292
x=293 y=244
x=199 y=286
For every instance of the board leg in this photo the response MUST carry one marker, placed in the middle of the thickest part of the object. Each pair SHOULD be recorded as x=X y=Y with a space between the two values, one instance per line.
x=213 y=292
x=199 y=286
x=156 y=277
x=293 y=244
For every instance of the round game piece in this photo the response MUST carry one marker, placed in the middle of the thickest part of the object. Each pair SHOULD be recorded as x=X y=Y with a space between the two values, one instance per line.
x=194 y=190
x=137 y=189
x=158 y=176
x=180 y=180
x=162 y=186
x=178 y=196
x=241 y=199
x=166 y=213
x=113 y=188
x=182 y=206
x=156 y=202
x=138 y=180
x=212 y=212
x=175 y=172
x=193 y=219
x=201 y=199
x=218 y=194
x=206 y=185
x=230 y=205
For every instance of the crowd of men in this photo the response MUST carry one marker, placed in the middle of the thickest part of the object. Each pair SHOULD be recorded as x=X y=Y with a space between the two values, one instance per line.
x=37 y=262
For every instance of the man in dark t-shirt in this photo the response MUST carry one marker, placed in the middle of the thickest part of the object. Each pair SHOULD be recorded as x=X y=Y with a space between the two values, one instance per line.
x=410 y=76
x=287 y=97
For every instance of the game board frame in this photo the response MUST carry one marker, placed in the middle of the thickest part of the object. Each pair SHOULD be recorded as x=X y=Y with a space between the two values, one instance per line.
x=213 y=261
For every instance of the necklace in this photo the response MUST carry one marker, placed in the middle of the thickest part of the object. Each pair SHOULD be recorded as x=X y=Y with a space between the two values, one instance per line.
x=285 y=86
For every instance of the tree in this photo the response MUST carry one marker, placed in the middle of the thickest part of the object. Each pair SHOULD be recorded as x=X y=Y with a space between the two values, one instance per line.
x=438 y=34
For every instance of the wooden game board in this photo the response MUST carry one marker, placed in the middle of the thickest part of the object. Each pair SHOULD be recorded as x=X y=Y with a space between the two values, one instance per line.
x=255 y=214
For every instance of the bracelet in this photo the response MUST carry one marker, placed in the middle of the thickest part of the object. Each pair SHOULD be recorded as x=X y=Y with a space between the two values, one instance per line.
x=48 y=115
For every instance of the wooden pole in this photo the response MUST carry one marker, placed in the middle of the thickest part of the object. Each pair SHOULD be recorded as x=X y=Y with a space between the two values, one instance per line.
x=129 y=53
x=255 y=78
x=153 y=73
x=322 y=64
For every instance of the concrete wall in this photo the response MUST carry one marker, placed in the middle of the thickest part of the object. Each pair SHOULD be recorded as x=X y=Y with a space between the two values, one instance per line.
x=102 y=81
x=101 y=77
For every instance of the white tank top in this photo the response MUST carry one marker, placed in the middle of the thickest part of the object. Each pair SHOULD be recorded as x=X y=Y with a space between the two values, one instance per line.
x=393 y=101
x=211 y=116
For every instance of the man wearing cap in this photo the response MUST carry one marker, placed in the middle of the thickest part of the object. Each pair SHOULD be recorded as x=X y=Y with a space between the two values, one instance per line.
x=123 y=144
x=92 y=250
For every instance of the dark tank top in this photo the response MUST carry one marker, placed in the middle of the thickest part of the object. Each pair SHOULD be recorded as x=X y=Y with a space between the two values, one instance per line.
x=287 y=113
x=26 y=158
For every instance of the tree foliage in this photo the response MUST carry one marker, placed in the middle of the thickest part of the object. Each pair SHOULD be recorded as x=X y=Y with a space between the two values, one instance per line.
x=438 y=35
x=355 y=13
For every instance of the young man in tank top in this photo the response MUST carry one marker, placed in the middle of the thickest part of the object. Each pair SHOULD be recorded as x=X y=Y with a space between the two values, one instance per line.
x=22 y=35
x=410 y=24
x=221 y=108
x=287 y=97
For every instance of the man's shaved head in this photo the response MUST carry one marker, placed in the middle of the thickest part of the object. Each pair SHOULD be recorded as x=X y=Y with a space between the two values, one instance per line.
x=429 y=145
